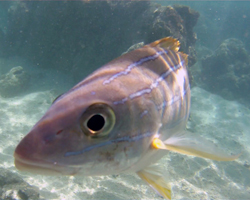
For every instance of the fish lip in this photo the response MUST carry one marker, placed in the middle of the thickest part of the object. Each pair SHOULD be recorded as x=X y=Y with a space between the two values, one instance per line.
x=43 y=167
x=36 y=166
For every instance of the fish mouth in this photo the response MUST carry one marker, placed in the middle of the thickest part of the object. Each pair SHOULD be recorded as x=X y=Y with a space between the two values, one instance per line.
x=35 y=166
x=41 y=167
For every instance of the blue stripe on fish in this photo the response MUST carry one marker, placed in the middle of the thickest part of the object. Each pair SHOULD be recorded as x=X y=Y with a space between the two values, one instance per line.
x=174 y=99
x=125 y=72
x=117 y=140
x=145 y=112
x=151 y=87
x=135 y=64
x=127 y=138
x=154 y=85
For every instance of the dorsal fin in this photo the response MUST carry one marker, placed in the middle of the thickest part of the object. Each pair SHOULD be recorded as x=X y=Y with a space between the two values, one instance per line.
x=167 y=43
x=170 y=43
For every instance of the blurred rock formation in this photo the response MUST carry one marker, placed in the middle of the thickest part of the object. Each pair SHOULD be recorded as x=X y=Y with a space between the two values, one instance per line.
x=227 y=70
x=80 y=36
x=14 y=82
x=13 y=187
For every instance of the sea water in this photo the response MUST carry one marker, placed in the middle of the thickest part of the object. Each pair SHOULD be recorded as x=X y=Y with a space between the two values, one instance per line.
x=219 y=117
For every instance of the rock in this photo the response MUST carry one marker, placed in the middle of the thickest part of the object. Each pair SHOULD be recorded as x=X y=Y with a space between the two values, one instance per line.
x=227 y=71
x=176 y=21
x=14 y=82
x=135 y=46
x=12 y=187
x=190 y=19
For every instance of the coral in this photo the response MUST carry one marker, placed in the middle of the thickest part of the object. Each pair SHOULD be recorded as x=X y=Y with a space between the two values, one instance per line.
x=14 y=82
x=227 y=70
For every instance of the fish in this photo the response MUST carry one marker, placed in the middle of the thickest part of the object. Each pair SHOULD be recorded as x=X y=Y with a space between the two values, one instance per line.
x=122 y=118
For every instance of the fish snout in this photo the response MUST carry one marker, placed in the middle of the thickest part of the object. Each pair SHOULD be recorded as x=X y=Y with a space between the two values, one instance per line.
x=42 y=151
x=26 y=153
x=26 y=148
x=30 y=156
x=28 y=159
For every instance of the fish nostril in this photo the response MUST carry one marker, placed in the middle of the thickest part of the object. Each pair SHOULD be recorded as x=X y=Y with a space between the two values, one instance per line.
x=49 y=138
x=58 y=132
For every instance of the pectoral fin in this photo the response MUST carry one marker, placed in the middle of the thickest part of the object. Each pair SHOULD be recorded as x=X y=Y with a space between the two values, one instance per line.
x=155 y=179
x=189 y=144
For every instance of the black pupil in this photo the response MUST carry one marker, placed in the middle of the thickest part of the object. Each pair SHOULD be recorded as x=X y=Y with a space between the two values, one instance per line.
x=96 y=122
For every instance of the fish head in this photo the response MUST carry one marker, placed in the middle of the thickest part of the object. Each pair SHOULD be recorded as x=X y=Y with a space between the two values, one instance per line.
x=85 y=132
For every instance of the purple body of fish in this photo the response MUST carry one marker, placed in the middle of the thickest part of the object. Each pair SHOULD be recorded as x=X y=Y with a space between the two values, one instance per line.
x=122 y=118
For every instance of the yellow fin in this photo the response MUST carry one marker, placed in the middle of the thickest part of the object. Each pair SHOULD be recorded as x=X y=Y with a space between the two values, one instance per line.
x=194 y=145
x=158 y=144
x=167 y=43
x=154 y=178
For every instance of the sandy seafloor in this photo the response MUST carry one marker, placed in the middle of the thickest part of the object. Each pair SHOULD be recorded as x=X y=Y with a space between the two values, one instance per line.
x=227 y=123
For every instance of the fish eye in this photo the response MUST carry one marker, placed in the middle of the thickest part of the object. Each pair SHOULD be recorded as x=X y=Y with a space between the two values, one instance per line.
x=98 y=120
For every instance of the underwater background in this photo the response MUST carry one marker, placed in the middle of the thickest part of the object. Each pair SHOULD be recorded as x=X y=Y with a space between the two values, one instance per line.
x=48 y=47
